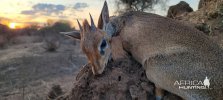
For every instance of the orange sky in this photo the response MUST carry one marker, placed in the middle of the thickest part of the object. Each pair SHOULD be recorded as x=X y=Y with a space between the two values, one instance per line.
x=27 y=12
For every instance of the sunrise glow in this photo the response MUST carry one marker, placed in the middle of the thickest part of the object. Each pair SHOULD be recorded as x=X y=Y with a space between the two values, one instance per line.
x=29 y=12
x=12 y=25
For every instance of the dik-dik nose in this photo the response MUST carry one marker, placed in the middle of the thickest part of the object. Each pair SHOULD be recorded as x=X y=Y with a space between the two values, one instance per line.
x=97 y=69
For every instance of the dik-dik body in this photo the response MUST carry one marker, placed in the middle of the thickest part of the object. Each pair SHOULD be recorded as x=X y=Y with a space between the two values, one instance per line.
x=171 y=51
x=168 y=50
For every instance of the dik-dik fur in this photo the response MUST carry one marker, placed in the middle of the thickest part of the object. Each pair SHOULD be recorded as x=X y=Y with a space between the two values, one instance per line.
x=168 y=50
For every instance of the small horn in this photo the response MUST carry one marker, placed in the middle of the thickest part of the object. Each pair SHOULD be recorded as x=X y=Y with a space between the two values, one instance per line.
x=79 y=25
x=93 y=27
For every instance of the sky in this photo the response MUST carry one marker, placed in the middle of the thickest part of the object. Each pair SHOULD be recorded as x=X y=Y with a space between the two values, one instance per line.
x=27 y=12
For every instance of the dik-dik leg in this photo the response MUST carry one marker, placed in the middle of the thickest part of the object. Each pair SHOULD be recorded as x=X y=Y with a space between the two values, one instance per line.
x=159 y=93
x=117 y=48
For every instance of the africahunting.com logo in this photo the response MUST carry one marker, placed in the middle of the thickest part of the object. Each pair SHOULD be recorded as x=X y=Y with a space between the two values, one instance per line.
x=193 y=84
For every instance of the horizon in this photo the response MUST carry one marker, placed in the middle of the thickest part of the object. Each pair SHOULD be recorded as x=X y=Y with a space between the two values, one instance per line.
x=19 y=14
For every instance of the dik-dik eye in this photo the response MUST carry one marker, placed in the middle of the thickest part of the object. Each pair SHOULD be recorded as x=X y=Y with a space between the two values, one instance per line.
x=103 y=47
x=103 y=44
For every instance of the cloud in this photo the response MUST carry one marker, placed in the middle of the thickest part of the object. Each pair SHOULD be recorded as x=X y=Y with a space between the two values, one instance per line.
x=4 y=18
x=80 y=6
x=28 y=12
x=44 y=9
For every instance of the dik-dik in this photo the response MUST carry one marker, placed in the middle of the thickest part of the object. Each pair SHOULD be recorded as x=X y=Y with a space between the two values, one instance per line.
x=171 y=53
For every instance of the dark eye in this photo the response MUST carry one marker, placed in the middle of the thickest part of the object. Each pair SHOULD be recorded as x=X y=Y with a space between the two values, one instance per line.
x=103 y=46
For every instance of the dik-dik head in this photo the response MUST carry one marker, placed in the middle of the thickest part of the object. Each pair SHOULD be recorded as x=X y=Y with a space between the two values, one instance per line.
x=94 y=41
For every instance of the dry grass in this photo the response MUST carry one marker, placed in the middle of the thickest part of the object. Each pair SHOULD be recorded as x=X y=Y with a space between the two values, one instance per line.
x=27 y=71
x=51 y=45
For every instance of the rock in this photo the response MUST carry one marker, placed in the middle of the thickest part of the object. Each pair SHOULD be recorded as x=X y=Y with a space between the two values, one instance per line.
x=203 y=3
x=179 y=10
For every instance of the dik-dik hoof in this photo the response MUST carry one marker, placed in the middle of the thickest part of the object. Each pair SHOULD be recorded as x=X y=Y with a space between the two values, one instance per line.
x=159 y=93
x=158 y=97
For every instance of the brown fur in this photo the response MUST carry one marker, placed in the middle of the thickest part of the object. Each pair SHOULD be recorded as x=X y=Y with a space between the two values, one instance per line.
x=168 y=50
x=117 y=48
x=171 y=51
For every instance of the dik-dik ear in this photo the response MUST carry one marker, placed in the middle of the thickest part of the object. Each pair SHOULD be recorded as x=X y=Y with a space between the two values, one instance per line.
x=104 y=17
x=72 y=34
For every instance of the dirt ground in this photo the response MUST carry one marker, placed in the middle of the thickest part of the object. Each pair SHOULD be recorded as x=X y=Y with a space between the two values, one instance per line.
x=28 y=71
x=123 y=79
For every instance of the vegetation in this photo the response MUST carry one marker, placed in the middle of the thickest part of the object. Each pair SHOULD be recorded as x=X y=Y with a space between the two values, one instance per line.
x=3 y=35
x=139 y=5
x=49 y=34
x=51 y=45
x=221 y=10
x=55 y=92
x=55 y=28
x=204 y=27
x=221 y=17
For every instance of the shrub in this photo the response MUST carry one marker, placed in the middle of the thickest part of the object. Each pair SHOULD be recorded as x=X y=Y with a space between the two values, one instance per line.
x=4 y=35
x=54 y=92
x=2 y=41
x=51 y=45
x=204 y=27
x=221 y=10
x=221 y=17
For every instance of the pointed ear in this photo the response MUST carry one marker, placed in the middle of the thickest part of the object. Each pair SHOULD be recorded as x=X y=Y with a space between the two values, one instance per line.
x=104 y=17
x=72 y=34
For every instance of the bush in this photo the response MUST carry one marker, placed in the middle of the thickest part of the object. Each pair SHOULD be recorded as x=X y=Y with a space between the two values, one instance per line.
x=55 y=28
x=204 y=27
x=51 y=35
x=54 y=92
x=221 y=10
x=221 y=17
x=4 y=35
x=2 y=41
x=51 y=45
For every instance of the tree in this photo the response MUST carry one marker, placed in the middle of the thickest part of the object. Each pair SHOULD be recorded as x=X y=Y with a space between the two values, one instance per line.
x=51 y=34
x=138 y=5
x=62 y=26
